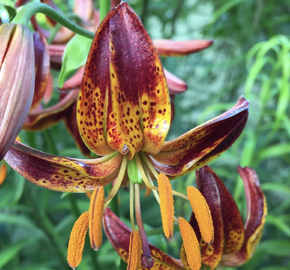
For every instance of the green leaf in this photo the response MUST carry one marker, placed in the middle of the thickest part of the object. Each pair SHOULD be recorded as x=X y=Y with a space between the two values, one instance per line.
x=10 y=252
x=75 y=55
x=8 y=3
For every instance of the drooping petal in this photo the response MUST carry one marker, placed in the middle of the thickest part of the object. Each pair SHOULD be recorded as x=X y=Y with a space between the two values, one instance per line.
x=70 y=120
x=41 y=68
x=167 y=47
x=45 y=118
x=56 y=53
x=119 y=236
x=256 y=215
x=96 y=216
x=175 y=85
x=166 y=205
x=126 y=106
x=49 y=89
x=61 y=173
x=77 y=240
x=202 y=144
x=205 y=180
x=17 y=79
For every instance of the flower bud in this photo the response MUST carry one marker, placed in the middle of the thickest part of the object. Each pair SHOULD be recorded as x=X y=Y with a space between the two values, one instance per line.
x=17 y=79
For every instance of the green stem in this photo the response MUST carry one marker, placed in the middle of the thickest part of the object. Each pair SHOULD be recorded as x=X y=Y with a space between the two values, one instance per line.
x=25 y=14
x=105 y=6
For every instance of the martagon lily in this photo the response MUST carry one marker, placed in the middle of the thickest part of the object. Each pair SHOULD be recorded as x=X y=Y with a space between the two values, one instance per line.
x=234 y=243
x=123 y=114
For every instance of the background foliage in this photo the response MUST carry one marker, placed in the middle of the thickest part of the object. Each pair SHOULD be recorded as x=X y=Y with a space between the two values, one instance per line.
x=250 y=57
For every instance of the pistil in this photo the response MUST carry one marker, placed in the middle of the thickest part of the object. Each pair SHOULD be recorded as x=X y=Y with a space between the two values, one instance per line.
x=147 y=261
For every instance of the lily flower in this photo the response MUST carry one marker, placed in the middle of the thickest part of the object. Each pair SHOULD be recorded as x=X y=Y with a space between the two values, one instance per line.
x=16 y=81
x=234 y=243
x=123 y=115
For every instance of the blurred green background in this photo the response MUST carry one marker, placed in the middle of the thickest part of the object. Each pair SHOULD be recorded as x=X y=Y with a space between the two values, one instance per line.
x=251 y=57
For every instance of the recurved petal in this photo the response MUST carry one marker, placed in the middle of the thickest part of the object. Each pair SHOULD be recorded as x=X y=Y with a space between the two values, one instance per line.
x=129 y=95
x=41 y=68
x=256 y=215
x=167 y=47
x=175 y=85
x=49 y=89
x=44 y=118
x=202 y=144
x=60 y=173
x=56 y=53
x=206 y=183
x=119 y=236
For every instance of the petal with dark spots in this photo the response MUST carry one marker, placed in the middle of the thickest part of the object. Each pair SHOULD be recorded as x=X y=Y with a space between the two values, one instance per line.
x=202 y=144
x=61 y=173
x=41 y=68
x=167 y=47
x=119 y=236
x=256 y=215
x=45 y=118
x=126 y=107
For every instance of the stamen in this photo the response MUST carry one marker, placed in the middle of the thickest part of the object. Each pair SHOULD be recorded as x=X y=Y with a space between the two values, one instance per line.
x=166 y=205
x=190 y=243
x=155 y=173
x=118 y=182
x=132 y=206
x=77 y=240
x=134 y=251
x=3 y=173
x=95 y=217
x=202 y=214
x=145 y=179
x=147 y=260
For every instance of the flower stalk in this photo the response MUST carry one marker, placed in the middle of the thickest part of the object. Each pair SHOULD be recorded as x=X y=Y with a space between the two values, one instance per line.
x=31 y=9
